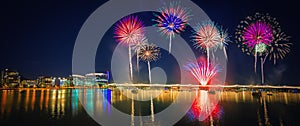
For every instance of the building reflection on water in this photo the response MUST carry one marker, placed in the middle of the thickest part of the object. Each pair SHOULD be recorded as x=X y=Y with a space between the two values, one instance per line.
x=58 y=103
x=53 y=102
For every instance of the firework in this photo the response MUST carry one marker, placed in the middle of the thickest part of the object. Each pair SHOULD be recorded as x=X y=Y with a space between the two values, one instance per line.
x=276 y=50
x=149 y=53
x=142 y=42
x=256 y=33
x=254 y=30
x=260 y=35
x=208 y=35
x=128 y=31
x=202 y=71
x=172 y=19
x=280 y=47
x=224 y=39
x=260 y=48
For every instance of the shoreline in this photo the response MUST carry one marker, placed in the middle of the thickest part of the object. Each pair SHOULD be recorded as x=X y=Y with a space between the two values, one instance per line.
x=174 y=86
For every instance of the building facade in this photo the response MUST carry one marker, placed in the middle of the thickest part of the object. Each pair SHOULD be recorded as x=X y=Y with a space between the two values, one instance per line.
x=10 y=79
x=90 y=79
x=44 y=81
x=29 y=83
x=78 y=80
x=61 y=82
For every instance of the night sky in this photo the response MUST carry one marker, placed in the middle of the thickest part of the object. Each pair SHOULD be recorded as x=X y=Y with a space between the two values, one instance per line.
x=37 y=37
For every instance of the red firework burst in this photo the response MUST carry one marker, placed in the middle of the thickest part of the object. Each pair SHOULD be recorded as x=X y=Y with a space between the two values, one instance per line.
x=129 y=30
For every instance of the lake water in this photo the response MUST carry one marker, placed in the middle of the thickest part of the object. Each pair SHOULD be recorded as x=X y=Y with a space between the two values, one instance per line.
x=61 y=107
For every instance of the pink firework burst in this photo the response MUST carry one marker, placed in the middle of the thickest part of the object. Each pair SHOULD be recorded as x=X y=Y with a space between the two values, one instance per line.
x=202 y=71
x=129 y=30
x=258 y=32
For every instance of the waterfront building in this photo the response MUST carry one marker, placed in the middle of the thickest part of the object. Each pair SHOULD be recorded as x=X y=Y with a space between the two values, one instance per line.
x=96 y=79
x=10 y=78
x=77 y=80
x=70 y=81
x=63 y=82
x=44 y=81
x=29 y=83
x=90 y=79
x=2 y=79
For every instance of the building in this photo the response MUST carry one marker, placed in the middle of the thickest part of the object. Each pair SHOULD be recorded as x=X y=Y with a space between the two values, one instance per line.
x=61 y=82
x=44 y=81
x=96 y=79
x=70 y=81
x=77 y=80
x=90 y=79
x=2 y=79
x=29 y=83
x=10 y=78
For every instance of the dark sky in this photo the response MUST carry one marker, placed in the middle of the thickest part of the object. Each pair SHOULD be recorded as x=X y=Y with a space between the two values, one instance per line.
x=37 y=37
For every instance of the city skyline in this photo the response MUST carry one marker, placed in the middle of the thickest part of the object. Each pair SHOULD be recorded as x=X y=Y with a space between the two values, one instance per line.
x=38 y=38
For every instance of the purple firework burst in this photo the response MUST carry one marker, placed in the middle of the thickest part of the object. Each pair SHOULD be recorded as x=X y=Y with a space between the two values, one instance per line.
x=258 y=32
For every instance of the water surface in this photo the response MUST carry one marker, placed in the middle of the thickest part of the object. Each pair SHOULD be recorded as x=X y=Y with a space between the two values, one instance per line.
x=64 y=106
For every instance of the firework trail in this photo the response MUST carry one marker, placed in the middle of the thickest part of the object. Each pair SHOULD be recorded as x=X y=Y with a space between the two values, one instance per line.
x=149 y=53
x=142 y=42
x=172 y=19
x=128 y=31
x=224 y=39
x=208 y=36
x=202 y=71
x=261 y=49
